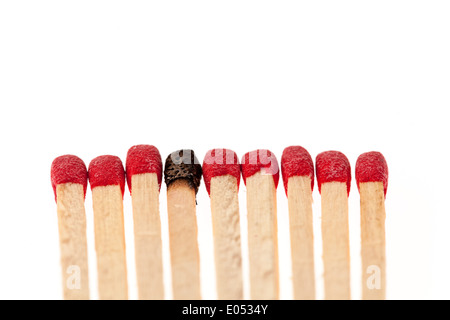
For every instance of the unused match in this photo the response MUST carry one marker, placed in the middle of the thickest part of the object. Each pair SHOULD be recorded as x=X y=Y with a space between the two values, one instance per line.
x=261 y=174
x=333 y=177
x=297 y=169
x=144 y=173
x=371 y=173
x=222 y=174
x=69 y=181
x=107 y=180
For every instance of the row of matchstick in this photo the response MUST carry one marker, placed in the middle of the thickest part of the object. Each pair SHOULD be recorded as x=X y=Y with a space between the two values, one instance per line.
x=221 y=172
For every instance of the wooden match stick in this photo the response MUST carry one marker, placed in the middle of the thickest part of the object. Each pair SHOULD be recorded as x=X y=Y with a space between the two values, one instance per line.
x=144 y=173
x=69 y=182
x=371 y=174
x=182 y=175
x=333 y=177
x=260 y=173
x=222 y=174
x=107 y=180
x=298 y=176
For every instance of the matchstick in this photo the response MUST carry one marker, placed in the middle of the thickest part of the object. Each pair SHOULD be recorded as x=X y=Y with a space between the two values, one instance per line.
x=182 y=175
x=333 y=177
x=69 y=182
x=222 y=174
x=144 y=173
x=297 y=169
x=260 y=174
x=371 y=173
x=107 y=180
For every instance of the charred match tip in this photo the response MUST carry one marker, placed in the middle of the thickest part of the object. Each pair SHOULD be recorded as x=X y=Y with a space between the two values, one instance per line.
x=296 y=161
x=68 y=169
x=260 y=160
x=220 y=162
x=105 y=171
x=183 y=164
x=141 y=159
x=333 y=166
x=372 y=167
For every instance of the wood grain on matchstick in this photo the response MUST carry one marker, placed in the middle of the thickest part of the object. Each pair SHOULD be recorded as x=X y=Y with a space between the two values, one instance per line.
x=147 y=236
x=227 y=239
x=302 y=238
x=335 y=239
x=73 y=244
x=184 y=253
x=373 y=246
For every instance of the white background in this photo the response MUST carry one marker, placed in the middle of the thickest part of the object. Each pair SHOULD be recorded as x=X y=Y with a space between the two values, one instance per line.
x=96 y=77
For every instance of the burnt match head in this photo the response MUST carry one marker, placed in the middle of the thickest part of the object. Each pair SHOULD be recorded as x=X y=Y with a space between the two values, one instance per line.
x=333 y=166
x=220 y=162
x=105 y=171
x=296 y=161
x=141 y=159
x=68 y=169
x=260 y=160
x=372 y=167
x=183 y=164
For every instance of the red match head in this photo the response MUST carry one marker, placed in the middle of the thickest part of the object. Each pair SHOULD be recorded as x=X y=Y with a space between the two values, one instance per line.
x=372 y=167
x=296 y=161
x=333 y=166
x=260 y=160
x=68 y=169
x=220 y=162
x=105 y=171
x=143 y=158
